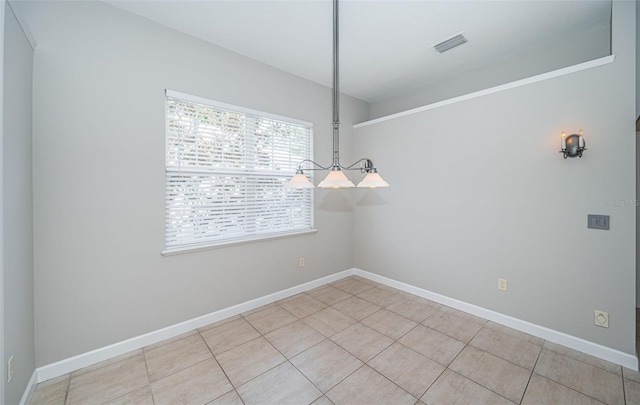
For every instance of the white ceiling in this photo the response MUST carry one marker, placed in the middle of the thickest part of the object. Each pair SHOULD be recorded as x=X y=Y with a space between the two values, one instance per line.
x=385 y=45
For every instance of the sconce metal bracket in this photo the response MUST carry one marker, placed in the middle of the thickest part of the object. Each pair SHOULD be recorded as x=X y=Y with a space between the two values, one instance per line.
x=573 y=148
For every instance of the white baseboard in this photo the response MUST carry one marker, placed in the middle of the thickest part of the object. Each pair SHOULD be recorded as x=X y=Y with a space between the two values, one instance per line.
x=31 y=387
x=594 y=349
x=95 y=356
x=65 y=366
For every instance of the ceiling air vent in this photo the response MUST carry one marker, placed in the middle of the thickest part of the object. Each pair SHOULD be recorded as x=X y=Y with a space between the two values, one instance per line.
x=450 y=43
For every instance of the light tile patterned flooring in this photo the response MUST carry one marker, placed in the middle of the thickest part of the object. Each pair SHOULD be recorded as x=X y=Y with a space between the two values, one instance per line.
x=351 y=342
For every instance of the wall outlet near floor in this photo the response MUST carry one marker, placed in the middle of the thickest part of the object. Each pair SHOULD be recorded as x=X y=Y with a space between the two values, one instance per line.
x=10 y=369
x=601 y=318
x=502 y=284
x=301 y=262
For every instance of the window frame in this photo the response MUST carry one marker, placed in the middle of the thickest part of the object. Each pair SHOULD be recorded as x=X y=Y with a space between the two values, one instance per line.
x=185 y=248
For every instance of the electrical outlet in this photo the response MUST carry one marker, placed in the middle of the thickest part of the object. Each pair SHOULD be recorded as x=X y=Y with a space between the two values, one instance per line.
x=301 y=262
x=601 y=318
x=10 y=369
x=502 y=284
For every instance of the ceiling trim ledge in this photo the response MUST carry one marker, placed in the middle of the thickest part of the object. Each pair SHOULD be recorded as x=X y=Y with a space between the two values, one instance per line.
x=492 y=90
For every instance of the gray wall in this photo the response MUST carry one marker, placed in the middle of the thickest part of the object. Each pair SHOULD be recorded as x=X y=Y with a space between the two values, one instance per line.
x=18 y=224
x=99 y=80
x=554 y=54
x=479 y=191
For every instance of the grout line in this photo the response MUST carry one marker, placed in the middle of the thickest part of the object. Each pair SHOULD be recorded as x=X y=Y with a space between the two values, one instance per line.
x=432 y=383
x=475 y=382
x=307 y=378
x=222 y=369
x=392 y=382
x=146 y=367
x=584 y=362
x=572 y=389
x=66 y=394
x=531 y=375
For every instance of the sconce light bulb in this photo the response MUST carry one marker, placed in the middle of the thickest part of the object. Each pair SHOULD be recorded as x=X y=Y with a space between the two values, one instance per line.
x=564 y=135
x=580 y=132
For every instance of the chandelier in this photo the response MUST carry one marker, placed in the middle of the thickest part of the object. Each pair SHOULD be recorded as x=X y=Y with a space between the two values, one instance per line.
x=336 y=177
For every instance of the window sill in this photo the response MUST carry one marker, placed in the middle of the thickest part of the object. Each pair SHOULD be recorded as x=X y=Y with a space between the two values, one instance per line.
x=215 y=245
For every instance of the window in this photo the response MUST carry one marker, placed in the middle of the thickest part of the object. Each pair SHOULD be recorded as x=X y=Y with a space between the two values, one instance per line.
x=225 y=167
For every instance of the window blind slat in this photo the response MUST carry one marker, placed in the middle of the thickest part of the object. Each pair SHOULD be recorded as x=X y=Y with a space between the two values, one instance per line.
x=224 y=175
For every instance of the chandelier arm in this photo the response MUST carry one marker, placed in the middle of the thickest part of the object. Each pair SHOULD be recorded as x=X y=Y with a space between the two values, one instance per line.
x=319 y=167
x=368 y=165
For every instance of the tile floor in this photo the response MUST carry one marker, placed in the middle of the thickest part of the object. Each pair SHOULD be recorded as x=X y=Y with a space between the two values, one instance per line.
x=350 y=342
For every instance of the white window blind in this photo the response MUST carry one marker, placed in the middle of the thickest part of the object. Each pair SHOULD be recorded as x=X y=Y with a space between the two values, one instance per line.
x=225 y=167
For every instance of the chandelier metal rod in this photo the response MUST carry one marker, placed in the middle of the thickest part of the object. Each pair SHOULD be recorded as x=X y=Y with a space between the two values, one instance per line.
x=336 y=89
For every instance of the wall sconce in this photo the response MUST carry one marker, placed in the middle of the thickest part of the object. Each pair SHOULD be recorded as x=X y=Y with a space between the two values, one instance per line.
x=572 y=145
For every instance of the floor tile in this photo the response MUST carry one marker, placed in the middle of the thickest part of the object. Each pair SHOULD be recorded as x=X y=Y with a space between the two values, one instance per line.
x=219 y=323
x=508 y=347
x=453 y=389
x=494 y=373
x=356 y=308
x=302 y=305
x=341 y=342
x=281 y=385
x=460 y=314
x=366 y=386
x=230 y=398
x=106 y=362
x=583 y=357
x=407 y=368
x=452 y=325
x=54 y=381
x=632 y=392
x=109 y=382
x=329 y=321
x=329 y=295
x=170 y=340
x=542 y=391
x=270 y=319
x=294 y=338
x=229 y=335
x=585 y=378
x=362 y=341
x=388 y=323
x=197 y=384
x=402 y=294
x=249 y=360
x=259 y=309
x=433 y=344
x=139 y=397
x=176 y=356
x=52 y=392
x=380 y=297
x=353 y=286
x=632 y=375
x=515 y=333
x=416 y=309
x=326 y=364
